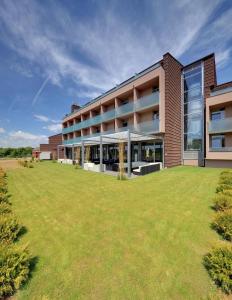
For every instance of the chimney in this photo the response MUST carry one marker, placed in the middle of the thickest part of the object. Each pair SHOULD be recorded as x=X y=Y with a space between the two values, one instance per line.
x=74 y=107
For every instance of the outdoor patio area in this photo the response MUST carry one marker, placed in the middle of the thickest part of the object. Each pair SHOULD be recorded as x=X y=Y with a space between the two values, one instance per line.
x=134 y=152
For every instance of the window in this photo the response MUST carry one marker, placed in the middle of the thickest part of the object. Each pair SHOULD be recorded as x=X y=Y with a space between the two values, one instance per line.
x=193 y=108
x=124 y=102
x=155 y=115
x=218 y=115
x=192 y=142
x=218 y=141
x=124 y=123
x=155 y=89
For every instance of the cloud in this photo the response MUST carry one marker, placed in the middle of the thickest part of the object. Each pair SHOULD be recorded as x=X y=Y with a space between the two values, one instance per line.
x=40 y=90
x=2 y=130
x=111 y=45
x=21 y=69
x=53 y=127
x=22 y=139
x=43 y=118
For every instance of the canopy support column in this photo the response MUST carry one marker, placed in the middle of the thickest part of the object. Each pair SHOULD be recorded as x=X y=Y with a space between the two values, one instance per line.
x=129 y=155
x=82 y=154
x=101 y=154
x=72 y=152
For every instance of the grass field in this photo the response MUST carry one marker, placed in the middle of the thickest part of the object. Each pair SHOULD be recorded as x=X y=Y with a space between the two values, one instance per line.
x=99 y=238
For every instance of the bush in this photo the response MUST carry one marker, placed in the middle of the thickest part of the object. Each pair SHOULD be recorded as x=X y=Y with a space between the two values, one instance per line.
x=5 y=208
x=226 y=179
x=3 y=186
x=222 y=202
x=30 y=166
x=223 y=224
x=9 y=228
x=4 y=198
x=219 y=265
x=14 y=269
x=223 y=187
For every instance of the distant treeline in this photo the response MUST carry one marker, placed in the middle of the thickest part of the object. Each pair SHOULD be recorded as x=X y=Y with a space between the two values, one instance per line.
x=15 y=152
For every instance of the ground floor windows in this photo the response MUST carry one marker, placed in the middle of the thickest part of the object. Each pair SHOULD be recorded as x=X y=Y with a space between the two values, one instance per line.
x=217 y=141
x=140 y=151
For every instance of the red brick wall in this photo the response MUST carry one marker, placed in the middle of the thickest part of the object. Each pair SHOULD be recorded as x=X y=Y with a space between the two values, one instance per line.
x=172 y=138
x=210 y=78
x=53 y=142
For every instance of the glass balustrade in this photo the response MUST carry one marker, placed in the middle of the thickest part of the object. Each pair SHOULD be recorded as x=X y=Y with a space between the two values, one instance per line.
x=142 y=103
x=148 y=127
x=219 y=126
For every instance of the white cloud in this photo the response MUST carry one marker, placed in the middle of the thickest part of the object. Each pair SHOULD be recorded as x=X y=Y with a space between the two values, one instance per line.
x=53 y=127
x=21 y=69
x=2 y=130
x=46 y=119
x=22 y=139
x=115 y=47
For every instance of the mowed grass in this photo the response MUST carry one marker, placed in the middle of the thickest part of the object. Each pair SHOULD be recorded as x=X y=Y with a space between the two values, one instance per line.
x=99 y=238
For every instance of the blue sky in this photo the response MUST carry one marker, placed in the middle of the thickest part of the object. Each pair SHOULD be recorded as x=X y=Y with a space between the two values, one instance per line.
x=54 y=53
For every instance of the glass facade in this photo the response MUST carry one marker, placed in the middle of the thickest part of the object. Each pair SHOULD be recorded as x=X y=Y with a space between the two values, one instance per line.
x=193 y=109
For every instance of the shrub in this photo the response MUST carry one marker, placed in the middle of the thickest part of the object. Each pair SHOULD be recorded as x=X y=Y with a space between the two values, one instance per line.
x=9 y=228
x=227 y=193
x=223 y=187
x=4 y=208
x=30 y=166
x=222 y=202
x=226 y=179
x=4 y=198
x=219 y=265
x=223 y=224
x=3 y=186
x=14 y=269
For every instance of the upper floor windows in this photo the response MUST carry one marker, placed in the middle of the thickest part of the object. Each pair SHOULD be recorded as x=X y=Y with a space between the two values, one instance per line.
x=218 y=115
x=155 y=115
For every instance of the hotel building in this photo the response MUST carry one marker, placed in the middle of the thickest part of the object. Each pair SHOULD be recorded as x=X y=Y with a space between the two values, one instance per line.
x=168 y=113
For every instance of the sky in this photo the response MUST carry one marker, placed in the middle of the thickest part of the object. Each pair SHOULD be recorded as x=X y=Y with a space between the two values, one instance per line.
x=54 y=53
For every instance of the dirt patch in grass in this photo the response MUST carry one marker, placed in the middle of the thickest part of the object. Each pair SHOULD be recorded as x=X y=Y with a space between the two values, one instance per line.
x=9 y=164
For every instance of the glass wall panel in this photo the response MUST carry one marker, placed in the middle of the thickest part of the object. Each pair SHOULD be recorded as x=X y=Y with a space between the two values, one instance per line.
x=193 y=109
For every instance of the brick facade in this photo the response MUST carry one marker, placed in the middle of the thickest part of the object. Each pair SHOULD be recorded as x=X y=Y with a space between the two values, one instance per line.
x=173 y=138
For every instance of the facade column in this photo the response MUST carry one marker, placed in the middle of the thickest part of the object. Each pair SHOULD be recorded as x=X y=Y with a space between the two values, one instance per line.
x=58 y=152
x=72 y=152
x=82 y=154
x=101 y=154
x=129 y=155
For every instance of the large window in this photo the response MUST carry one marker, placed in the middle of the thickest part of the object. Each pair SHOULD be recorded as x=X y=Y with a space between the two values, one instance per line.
x=193 y=109
x=217 y=141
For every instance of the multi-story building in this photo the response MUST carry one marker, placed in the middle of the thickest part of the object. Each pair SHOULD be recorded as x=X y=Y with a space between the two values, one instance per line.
x=176 y=114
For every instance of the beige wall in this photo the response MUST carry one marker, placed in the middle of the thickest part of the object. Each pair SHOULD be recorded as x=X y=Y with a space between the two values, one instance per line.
x=212 y=104
x=191 y=162
x=133 y=91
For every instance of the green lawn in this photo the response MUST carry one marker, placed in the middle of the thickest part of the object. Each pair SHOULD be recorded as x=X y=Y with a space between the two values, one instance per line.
x=99 y=238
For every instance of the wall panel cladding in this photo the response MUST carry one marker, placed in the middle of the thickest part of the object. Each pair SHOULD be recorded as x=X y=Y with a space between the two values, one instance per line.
x=210 y=78
x=173 y=138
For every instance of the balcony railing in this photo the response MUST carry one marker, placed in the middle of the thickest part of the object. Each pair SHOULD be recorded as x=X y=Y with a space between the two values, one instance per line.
x=222 y=149
x=143 y=127
x=219 y=126
x=123 y=110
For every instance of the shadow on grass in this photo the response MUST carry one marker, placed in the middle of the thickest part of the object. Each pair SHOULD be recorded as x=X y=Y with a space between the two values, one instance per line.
x=32 y=269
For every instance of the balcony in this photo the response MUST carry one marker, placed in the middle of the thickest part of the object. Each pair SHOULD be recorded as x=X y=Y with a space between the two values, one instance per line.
x=131 y=107
x=148 y=127
x=220 y=126
x=222 y=149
